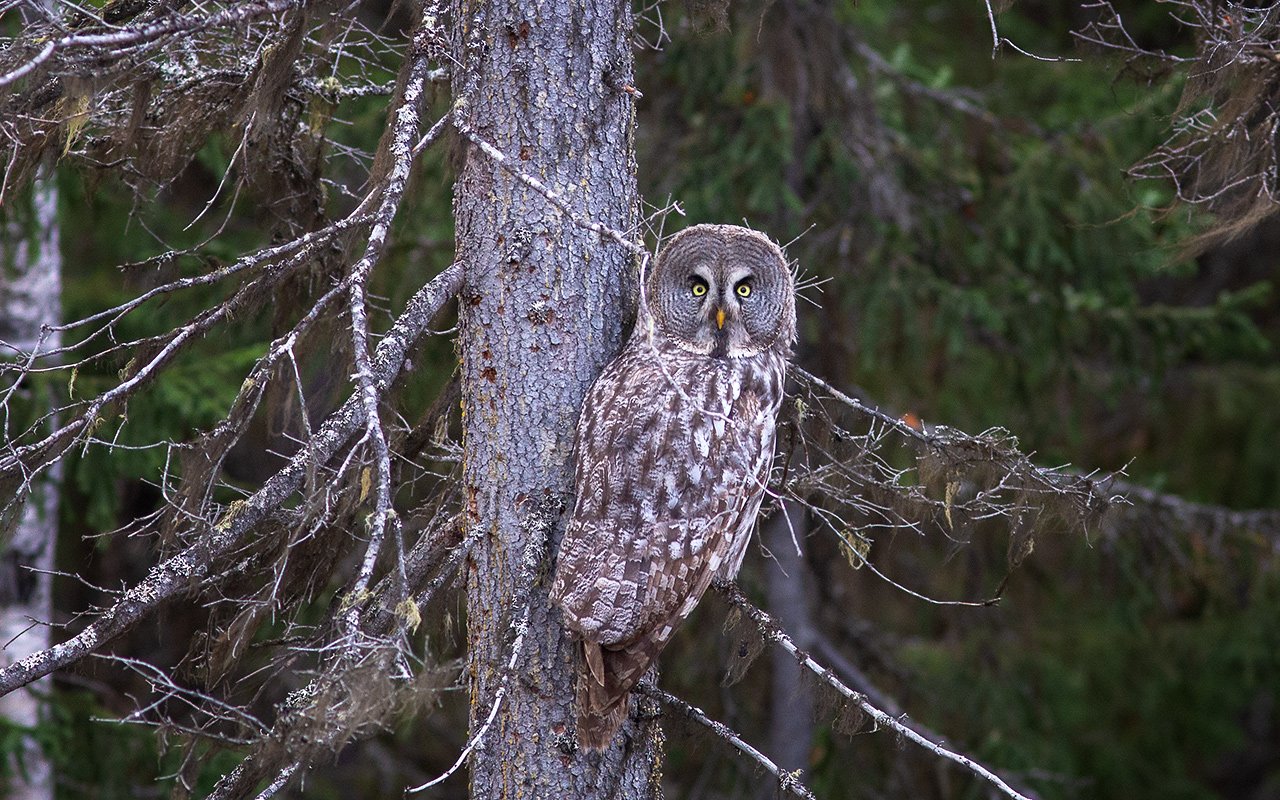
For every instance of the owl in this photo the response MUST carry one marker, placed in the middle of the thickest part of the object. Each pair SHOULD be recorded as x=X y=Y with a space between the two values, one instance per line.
x=674 y=447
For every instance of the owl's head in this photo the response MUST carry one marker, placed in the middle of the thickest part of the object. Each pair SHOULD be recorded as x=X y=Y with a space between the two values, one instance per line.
x=723 y=291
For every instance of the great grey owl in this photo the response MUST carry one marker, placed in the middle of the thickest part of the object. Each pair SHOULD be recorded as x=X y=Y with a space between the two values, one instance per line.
x=674 y=447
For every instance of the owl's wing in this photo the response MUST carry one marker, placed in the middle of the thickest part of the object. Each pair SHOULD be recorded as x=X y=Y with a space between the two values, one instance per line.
x=668 y=482
x=720 y=507
x=672 y=461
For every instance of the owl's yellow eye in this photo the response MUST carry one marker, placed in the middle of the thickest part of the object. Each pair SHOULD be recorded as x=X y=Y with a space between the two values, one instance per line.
x=744 y=290
x=699 y=289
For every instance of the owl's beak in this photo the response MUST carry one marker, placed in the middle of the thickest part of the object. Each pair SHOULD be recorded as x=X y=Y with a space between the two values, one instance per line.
x=720 y=318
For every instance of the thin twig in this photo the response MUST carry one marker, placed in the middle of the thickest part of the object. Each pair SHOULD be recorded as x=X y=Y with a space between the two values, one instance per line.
x=530 y=564
x=773 y=632
x=555 y=198
x=997 y=40
x=788 y=781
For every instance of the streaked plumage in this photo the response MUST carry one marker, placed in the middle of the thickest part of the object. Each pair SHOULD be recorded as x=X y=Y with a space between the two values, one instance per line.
x=674 y=447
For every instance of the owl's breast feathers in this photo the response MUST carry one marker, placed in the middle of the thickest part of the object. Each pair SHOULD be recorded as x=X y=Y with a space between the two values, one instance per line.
x=673 y=455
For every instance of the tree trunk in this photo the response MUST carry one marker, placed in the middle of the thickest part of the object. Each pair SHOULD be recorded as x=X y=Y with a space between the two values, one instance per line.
x=791 y=717
x=542 y=310
x=30 y=297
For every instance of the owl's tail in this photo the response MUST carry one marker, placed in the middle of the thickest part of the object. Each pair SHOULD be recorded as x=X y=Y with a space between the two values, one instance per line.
x=604 y=685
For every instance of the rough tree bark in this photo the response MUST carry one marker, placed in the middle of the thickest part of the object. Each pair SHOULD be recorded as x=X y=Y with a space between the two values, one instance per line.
x=30 y=297
x=542 y=308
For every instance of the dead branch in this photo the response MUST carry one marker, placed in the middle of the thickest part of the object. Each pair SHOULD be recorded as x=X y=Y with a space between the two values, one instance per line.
x=531 y=563
x=787 y=781
x=555 y=198
x=177 y=574
x=1220 y=153
x=401 y=136
x=837 y=462
x=132 y=41
x=772 y=632
x=1197 y=516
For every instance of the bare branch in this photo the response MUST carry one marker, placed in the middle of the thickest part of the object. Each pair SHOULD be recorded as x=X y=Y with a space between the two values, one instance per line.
x=555 y=198
x=1265 y=521
x=1220 y=152
x=787 y=781
x=279 y=783
x=530 y=565
x=400 y=146
x=997 y=40
x=774 y=633
x=861 y=407
x=1005 y=482
x=177 y=574
x=128 y=41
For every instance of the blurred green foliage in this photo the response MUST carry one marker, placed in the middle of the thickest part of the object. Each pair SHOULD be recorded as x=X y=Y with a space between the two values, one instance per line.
x=1112 y=693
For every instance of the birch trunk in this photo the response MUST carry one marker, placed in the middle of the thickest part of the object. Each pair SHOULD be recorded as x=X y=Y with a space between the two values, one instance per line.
x=30 y=297
x=542 y=309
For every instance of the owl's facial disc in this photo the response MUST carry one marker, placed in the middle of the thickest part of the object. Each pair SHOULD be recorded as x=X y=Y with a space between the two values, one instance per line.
x=724 y=292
